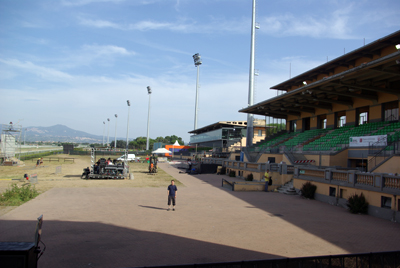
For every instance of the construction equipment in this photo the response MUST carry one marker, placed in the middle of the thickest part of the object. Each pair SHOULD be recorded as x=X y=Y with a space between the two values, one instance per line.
x=153 y=164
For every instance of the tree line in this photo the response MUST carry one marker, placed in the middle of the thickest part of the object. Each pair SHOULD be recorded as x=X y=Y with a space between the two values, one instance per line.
x=140 y=142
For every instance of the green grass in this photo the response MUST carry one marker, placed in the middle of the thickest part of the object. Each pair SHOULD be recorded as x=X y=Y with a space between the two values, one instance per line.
x=17 y=195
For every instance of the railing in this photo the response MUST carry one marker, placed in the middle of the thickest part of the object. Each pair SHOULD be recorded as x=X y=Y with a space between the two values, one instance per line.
x=382 y=153
x=365 y=260
x=351 y=178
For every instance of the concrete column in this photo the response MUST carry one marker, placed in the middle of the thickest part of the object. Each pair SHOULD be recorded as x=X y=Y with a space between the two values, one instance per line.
x=351 y=176
x=328 y=174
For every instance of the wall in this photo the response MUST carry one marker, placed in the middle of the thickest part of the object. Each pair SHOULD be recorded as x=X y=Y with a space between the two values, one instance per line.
x=375 y=113
x=373 y=198
x=278 y=158
x=351 y=116
x=390 y=166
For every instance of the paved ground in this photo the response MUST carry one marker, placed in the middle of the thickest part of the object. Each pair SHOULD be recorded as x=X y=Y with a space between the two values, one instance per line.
x=127 y=227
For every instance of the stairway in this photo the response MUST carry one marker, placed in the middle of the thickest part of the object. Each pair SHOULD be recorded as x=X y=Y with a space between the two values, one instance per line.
x=287 y=189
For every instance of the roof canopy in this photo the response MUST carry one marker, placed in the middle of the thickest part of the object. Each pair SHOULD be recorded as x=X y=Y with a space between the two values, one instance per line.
x=365 y=73
x=161 y=151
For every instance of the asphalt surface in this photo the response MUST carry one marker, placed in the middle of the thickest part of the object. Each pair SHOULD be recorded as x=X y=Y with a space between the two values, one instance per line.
x=130 y=227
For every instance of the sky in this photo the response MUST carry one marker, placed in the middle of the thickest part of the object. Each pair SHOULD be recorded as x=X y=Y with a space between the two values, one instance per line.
x=77 y=62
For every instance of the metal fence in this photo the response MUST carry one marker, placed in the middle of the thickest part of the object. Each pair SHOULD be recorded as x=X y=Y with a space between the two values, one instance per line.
x=363 y=260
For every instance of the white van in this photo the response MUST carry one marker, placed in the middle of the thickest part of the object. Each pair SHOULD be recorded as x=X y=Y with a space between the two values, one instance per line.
x=131 y=157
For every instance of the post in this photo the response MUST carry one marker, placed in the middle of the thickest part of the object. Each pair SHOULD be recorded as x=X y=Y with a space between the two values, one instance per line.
x=197 y=63
x=108 y=132
x=197 y=97
x=148 y=119
x=250 y=117
x=115 y=138
x=127 y=128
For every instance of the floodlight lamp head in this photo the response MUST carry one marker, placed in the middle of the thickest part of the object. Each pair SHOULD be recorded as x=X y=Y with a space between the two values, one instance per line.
x=116 y=115
x=128 y=102
x=398 y=46
x=304 y=82
x=108 y=119
x=197 y=59
x=149 y=89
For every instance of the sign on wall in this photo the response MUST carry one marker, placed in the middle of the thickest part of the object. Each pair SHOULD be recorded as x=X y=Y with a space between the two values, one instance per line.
x=365 y=141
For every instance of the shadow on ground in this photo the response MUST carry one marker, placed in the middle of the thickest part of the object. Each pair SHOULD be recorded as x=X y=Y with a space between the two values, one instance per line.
x=351 y=232
x=93 y=244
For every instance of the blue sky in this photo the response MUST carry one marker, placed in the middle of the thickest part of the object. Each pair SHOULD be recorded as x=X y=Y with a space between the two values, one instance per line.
x=76 y=62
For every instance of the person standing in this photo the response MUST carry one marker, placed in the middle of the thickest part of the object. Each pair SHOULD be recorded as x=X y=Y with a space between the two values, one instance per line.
x=266 y=177
x=172 y=189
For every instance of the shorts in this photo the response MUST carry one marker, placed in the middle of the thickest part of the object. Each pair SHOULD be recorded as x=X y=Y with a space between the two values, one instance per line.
x=171 y=198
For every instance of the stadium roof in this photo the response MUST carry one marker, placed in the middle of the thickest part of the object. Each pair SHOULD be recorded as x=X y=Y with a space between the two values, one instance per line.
x=305 y=93
x=219 y=125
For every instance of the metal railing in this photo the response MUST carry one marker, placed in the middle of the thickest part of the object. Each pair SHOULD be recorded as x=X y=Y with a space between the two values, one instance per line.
x=381 y=153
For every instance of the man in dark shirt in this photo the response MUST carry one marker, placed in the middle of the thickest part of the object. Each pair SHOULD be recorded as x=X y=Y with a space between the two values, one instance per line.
x=172 y=195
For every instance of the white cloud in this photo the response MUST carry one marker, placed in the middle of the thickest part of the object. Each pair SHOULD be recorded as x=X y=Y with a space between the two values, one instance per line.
x=99 y=23
x=86 y=2
x=335 y=26
x=107 y=50
x=43 y=72
x=182 y=25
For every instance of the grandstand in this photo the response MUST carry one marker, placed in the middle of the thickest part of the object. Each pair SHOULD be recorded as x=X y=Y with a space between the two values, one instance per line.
x=325 y=108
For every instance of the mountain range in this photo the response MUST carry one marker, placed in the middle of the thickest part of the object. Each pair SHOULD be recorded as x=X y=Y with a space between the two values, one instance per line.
x=58 y=133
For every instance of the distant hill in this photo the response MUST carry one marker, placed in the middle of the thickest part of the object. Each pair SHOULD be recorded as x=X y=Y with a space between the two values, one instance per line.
x=59 y=133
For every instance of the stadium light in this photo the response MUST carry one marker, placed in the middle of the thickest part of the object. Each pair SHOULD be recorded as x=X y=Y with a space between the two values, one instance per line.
x=197 y=63
x=115 y=136
x=108 y=132
x=104 y=129
x=148 y=119
x=127 y=128
x=398 y=46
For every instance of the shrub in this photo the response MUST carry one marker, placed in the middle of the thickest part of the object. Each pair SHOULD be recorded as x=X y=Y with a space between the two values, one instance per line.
x=249 y=177
x=308 y=190
x=232 y=173
x=18 y=195
x=357 y=204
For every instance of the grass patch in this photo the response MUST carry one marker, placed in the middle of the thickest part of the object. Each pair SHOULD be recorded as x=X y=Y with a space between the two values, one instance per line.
x=17 y=195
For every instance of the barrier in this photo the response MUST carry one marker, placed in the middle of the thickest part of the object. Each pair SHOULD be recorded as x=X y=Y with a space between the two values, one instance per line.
x=389 y=259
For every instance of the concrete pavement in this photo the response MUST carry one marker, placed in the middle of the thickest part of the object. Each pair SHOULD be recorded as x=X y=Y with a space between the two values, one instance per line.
x=127 y=227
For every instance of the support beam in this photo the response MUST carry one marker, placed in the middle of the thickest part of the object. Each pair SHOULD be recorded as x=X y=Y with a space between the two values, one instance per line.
x=371 y=88
x=372 y=98
x=347 y=103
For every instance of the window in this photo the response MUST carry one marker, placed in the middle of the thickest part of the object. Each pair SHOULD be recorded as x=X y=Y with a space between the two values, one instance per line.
x=332 y=191
x=342 y=121
x=386 y=202
x=363 y=118
x=391 y=111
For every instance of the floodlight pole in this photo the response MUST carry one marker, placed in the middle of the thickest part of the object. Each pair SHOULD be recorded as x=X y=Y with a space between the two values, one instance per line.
x=148 y=119
x=127 y=128
x=104 y=130
x=108 y=131
x=197 y=63
x=250 y=117
x=115 y=136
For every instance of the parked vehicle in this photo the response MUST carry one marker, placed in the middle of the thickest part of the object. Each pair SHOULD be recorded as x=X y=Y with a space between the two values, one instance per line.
x=131 y=158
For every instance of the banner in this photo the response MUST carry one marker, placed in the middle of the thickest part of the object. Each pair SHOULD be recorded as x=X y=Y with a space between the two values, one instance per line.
x=365 y=141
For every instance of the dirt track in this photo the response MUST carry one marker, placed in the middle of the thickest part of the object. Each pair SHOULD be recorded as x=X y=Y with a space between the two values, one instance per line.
x=70 y=176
